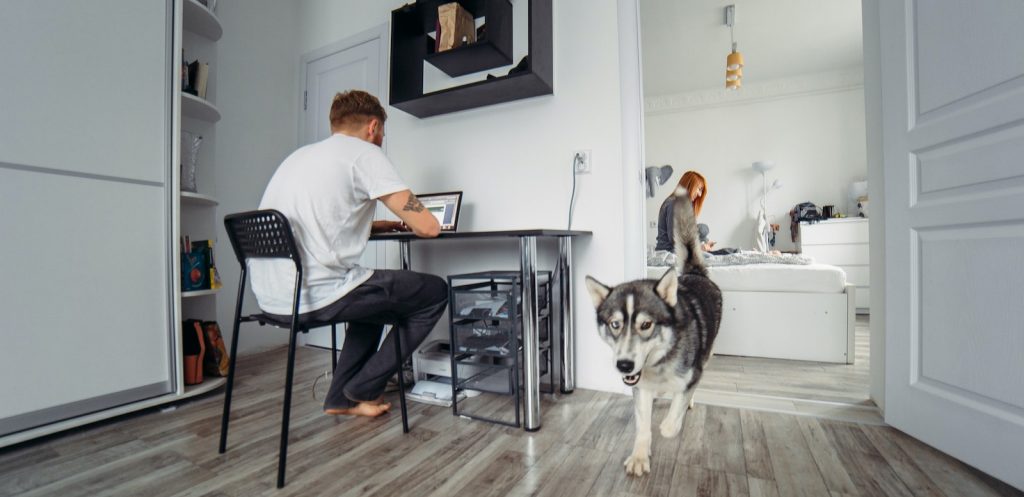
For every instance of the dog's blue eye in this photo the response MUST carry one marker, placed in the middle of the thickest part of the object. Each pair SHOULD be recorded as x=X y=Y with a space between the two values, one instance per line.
x=615 y=325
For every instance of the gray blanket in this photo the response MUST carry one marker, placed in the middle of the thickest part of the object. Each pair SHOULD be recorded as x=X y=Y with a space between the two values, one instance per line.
x=665 y=258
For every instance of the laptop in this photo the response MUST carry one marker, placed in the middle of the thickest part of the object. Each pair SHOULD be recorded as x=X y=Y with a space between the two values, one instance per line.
x=444 y=206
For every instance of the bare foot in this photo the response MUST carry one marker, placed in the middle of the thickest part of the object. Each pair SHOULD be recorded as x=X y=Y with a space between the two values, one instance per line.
x=368 y=409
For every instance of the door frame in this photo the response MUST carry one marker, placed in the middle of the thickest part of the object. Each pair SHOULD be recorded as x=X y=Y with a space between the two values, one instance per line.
x=381 y=33
x=632 y=133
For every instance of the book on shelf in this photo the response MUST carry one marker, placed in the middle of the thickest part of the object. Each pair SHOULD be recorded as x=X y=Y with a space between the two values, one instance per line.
x=198 y=270
x=198 y=77
x=201 y=80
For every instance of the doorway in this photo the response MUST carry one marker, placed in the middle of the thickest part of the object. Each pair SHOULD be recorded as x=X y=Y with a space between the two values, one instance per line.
x=800 y=109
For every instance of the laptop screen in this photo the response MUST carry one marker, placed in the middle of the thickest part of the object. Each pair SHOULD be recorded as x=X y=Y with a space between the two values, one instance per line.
x=445 y=207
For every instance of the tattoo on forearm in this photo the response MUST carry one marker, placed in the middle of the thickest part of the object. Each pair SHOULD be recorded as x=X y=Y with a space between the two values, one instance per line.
x=413 y=204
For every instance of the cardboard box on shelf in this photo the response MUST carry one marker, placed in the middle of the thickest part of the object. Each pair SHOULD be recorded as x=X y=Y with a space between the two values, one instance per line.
x=457 y=27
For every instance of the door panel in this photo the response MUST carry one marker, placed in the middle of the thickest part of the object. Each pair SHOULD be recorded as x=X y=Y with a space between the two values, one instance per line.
x=353 y=68
x=954 y=227
x=948 y=70
x=84 y=295
x=955 y=300
x=85 y=87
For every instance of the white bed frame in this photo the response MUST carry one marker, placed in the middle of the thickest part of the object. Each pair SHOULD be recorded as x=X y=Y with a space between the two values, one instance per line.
x=788 y=325
x=802 y=326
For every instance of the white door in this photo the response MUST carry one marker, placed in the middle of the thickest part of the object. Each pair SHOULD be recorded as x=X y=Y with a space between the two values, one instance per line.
x=953 y=148
x=353 y=64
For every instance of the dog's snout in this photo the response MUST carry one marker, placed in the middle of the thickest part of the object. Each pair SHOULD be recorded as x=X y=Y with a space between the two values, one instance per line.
x=625 y=366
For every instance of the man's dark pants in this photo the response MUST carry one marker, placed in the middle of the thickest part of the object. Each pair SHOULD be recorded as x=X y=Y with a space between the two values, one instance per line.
x=411 y=302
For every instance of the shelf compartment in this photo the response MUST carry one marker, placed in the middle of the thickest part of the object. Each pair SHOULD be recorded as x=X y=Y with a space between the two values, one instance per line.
x=197 y=108
x=199 y=293
x=485 y=296
x=495 y=50
x=477 y=94
x=199 y=20
x=484 y=339
x=493 y=339
x=468 y=59
x=197 y=199
x=485 y=378
x=209 y=384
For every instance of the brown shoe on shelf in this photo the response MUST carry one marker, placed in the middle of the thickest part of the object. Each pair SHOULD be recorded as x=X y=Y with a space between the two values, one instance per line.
x=216 y=362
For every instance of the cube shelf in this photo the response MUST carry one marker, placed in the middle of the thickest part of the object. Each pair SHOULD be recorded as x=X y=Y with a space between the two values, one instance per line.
x=411 y=45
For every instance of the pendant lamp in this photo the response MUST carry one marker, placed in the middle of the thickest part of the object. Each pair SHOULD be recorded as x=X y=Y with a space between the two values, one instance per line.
x=734 y=61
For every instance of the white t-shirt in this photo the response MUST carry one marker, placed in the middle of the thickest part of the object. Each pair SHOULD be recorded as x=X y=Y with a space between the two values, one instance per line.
x=328 y=192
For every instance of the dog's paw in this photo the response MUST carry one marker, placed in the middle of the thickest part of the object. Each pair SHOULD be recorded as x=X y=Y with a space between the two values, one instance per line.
x=638 y=464
x=670 y=427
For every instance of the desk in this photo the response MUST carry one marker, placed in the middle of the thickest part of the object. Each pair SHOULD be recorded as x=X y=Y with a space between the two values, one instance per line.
x=528 y=269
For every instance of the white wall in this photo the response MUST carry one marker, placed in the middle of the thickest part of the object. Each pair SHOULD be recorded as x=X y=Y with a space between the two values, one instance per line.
x=257 y=94
x=815 y=137
x=513 y=160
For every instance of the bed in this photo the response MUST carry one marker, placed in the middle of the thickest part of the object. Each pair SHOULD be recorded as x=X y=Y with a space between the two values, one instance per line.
x=783 y=311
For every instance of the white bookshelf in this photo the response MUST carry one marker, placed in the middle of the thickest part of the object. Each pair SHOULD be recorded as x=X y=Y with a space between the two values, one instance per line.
x=199 y=293
x=209 y=384
x=197 y=108
x=199 y=20
x=192 y=198
x=197 y=211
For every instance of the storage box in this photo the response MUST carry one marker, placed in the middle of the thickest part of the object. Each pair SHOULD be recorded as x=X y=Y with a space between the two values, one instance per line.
x=455 y=26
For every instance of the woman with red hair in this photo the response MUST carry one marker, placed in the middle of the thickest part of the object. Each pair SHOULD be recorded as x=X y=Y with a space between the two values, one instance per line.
x=694 y=183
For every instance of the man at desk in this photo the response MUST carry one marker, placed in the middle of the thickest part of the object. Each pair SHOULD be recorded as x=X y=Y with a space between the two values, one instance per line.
x=328 y=191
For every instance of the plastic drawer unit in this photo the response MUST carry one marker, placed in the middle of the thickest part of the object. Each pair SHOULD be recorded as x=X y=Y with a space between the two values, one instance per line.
x=485 y=321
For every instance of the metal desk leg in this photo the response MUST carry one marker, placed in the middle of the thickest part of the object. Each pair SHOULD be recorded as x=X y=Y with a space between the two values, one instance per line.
x=568 y=328
x=531 y=346
x=405 y=254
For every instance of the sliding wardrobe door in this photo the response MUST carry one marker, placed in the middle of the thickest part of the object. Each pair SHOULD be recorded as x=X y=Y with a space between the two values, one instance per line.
x=85 y=164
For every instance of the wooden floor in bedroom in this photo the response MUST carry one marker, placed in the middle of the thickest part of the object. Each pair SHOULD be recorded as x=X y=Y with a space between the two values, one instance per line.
x=844 y=383
x=579 y=451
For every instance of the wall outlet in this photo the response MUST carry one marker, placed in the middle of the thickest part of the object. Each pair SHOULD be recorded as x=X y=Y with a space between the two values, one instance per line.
x=581 y=161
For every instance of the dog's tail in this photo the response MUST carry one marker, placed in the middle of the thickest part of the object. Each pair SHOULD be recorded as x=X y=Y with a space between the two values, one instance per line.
x=689 y=257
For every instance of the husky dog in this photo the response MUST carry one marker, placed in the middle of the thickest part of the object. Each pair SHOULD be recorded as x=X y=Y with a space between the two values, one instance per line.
x=661 y=332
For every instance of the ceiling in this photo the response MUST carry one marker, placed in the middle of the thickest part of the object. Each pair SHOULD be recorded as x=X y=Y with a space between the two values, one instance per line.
x=685 y=42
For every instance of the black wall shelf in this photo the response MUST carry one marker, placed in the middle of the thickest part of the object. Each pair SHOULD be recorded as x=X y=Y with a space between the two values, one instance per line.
x=468 y=59
x=411 y=45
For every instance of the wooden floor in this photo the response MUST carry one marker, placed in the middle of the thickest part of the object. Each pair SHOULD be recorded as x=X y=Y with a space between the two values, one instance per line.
x=579 y=452
x=845 y=383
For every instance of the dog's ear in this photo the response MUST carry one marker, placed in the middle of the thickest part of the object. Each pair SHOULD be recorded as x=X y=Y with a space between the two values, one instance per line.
x=667 y=286
x=598 y=292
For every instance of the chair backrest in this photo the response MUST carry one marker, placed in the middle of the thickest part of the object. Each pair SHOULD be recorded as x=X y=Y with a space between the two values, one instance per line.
x=264 y=234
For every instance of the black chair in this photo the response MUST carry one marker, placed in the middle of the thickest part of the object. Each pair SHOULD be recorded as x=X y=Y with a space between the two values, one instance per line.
x=267 y=234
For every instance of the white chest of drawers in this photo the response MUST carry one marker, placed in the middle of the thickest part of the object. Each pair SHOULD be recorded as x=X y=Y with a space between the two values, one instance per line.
x=843 y=243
